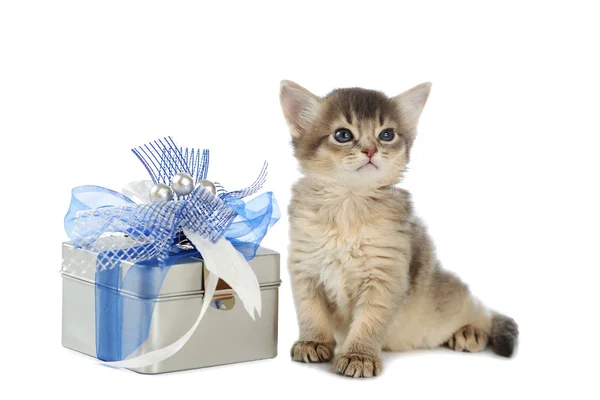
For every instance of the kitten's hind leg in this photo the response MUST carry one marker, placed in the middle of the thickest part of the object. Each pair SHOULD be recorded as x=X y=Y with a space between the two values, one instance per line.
x=502 y=336
x=468 y=338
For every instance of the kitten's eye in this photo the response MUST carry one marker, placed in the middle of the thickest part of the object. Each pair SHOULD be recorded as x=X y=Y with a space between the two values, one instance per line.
x=387 y=135
x=343 y=135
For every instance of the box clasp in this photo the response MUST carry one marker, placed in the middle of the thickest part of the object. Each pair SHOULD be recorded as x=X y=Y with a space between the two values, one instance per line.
x=223 y=299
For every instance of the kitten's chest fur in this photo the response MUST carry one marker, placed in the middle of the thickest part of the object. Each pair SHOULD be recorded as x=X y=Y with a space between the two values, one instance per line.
x=338 y=234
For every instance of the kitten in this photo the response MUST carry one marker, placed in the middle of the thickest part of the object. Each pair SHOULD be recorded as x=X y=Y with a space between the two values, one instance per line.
x=363 y=268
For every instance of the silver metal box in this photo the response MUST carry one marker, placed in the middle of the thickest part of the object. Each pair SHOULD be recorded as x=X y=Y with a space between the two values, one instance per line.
x=224 y=336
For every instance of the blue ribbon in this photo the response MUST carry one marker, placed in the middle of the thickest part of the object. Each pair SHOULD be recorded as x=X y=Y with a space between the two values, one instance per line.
x=123 y=322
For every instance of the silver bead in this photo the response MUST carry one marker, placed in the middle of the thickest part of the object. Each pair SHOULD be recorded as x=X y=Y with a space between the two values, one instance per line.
x=160 y=192
x=182 y=184
x=208 y=185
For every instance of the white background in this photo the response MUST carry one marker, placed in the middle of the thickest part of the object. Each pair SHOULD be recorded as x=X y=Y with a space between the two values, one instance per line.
x=504 y=170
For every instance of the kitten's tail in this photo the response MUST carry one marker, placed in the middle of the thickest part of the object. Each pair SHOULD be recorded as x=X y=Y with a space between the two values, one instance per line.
x=504 y=334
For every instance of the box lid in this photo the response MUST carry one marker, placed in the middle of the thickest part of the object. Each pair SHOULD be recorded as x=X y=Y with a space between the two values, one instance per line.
x=185 y=276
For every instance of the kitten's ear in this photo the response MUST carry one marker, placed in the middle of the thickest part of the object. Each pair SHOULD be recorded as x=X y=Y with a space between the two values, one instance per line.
x=411 y=103
x=300 y=107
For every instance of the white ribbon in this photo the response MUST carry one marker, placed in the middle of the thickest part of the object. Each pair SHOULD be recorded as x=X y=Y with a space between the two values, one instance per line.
x=139 y=191
x=223 y=261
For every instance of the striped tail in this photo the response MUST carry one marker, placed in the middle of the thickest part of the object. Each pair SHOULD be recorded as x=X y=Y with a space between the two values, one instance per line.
x=504 y=334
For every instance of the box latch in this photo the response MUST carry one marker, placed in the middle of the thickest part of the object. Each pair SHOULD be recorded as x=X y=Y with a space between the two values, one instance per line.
x=223 y=298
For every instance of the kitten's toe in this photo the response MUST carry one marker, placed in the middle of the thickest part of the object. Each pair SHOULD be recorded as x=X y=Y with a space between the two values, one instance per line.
x=358 y=365
x=312 y=352
x=468 y=338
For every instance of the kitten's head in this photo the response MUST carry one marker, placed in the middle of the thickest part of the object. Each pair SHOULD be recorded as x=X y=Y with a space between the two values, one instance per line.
x=353 y=137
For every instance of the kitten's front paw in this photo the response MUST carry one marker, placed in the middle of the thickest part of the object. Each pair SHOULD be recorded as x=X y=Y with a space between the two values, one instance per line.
x=312 y=352
x=358 y=365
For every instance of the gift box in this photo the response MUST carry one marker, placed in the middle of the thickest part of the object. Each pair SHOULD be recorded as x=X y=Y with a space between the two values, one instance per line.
x=177 y=280
x=227 y=334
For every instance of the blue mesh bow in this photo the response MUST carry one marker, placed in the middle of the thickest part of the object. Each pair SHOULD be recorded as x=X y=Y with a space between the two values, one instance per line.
x=157 y=227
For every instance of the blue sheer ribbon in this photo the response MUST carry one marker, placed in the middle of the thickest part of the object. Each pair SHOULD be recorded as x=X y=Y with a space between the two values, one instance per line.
x=122 y=321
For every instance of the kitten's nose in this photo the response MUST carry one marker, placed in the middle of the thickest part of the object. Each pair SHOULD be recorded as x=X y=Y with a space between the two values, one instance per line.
x=370 y=152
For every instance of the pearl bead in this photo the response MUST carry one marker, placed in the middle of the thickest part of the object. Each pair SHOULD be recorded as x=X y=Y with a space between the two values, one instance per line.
x=208 y=185
x=182 y=184
x=160 y=192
